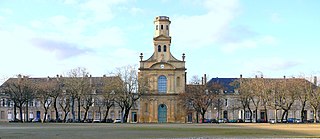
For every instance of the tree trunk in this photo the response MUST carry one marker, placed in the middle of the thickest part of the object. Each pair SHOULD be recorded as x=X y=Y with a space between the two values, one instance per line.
x=72 y=110
x=56 y=109
x=126 y=114
x=79 y=108
x=65 y=116
x=106 y=115
x=302 y=115
x=284 y=115
x=197 y=116
x=45 y=111
x=266 y=114
x=250 y=114
x=202 y=116
x=27 y=111
x=256 y=116
x=20 y=108
x=45 y=116
x=15 y=111
x=315 y=115
x=85 y=114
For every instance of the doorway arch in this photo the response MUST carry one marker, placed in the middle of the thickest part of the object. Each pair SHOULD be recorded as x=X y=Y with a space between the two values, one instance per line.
x=162 y=113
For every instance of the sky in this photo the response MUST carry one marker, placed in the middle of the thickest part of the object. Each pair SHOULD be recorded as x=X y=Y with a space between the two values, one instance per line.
x=221 y=38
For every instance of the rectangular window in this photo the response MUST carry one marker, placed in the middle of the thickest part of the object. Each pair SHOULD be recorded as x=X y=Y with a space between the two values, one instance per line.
x=226 y=102
x=247 y=115
x=2 y=114
x=146 y=106
x=167 y=27
x=97 y=115
x=90 y=115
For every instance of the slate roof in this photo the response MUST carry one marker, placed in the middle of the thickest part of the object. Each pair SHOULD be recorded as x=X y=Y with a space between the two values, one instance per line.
x=225 y=82
x=97 y=81
x=228 y=88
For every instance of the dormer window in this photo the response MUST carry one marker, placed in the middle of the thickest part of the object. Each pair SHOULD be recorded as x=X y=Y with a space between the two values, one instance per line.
x=164 y=48
x=159 y=48
x=161 y=27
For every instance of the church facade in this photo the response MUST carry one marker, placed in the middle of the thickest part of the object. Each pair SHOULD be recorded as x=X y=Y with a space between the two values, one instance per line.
x=166 y=77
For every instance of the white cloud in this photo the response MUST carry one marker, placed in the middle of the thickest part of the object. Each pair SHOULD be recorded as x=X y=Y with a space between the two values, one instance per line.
x=108 y=37
x=204 y=29
x=270 y=64
x=101 y=10
x=249 y=44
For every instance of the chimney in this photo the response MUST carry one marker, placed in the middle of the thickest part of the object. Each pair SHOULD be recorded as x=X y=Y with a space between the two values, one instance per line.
x=90 y=79
x=48 y=78
x=256 y=76
x=205 y=79
x=284 y=77
x=240 y=76
x=202 y=81
x=57 y=77
x=315 y=81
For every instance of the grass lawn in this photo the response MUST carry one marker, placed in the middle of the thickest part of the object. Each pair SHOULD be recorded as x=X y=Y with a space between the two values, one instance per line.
x=126 y=131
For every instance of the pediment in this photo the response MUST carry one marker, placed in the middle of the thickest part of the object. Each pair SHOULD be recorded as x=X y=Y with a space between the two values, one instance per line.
x=162 y=65
x=162 y=37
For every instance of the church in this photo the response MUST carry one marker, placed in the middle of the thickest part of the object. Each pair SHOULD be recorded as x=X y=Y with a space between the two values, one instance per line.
x=166 y=79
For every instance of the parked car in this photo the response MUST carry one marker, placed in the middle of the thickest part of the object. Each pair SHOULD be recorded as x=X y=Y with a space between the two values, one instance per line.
x=233 y=121
x=298 y=121
x=261 y=121
x=14 y=121
x=223 y=120
x=291 y=120
x=272 y=121
x=240 y=121
x=312 y=121
x=36 y=120
x=96 y=121
x=117 y=121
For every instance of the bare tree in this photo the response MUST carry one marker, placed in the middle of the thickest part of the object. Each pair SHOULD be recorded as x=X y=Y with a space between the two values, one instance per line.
x=198 y=96
x=64 y=103
x=76 y=84
x=20 y=92
x=56 y=92
x=43 y=94
x=313 y=96
x=127 y=89
x=286 y=96
x=108 y=94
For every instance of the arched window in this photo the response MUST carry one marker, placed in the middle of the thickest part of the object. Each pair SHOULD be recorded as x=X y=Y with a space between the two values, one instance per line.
x=164 y=48
x=159 y=48
x=156 y=27
x=167 y=27
x=161 y=27
x=162 y=84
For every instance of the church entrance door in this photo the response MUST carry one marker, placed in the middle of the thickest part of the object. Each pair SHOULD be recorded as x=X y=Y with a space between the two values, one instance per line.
x=162 y=113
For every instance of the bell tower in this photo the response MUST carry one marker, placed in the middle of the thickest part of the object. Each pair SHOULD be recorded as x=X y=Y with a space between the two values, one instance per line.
x=161 y=38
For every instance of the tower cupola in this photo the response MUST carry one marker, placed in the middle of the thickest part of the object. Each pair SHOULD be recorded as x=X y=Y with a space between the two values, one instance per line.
x=162 y=24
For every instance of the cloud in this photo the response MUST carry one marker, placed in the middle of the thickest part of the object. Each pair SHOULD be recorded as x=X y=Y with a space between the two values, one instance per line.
x=204 y=29
x=271 y=64
x=101 y=10
x=62 y=50
x=250 y=43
